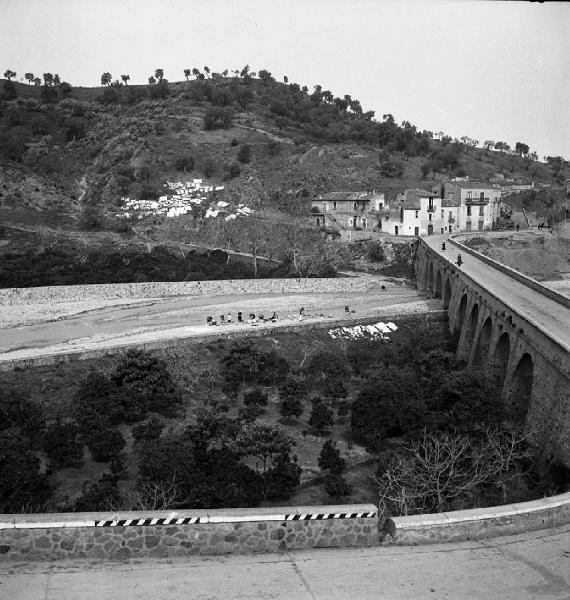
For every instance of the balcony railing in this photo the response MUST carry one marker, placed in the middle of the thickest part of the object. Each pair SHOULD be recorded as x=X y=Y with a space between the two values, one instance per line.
x=477 y=200
x=451 y=219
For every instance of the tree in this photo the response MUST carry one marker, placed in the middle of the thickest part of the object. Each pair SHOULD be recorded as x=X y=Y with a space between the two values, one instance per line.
x=29 y=77
x=104 y=444
x=61 y=443
x=265 y=76
x=336 y=486
x=159 y=74
x=8 y=74
x=255 y=396
x=330 y=459
x=66 y=89
x=241 y=364
x=187 y=73
x=488 y=145
x=106 y=78
x=19 y=413
x=151 y=80
x=48 y=95
x=56 y=79
x=264 y=442
x=321 y=419
x=148 y=431
x=184 y=163
x=255 y=232
x=521 y=149
x=145 y=383
x=207 y=71
x=196 y=72
x=391 y=403
x=9 y=91
x=436 y=470
x=125 y=79
x=37 y=81
x=21 y=483
x=218 y=118
x=96 y=403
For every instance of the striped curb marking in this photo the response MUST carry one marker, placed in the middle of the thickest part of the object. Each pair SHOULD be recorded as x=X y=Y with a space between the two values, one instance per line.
x=174 y=520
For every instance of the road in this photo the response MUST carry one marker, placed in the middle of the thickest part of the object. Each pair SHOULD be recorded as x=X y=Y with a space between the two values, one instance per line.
x=29 y=331
x=522 y=567
x=550 y=316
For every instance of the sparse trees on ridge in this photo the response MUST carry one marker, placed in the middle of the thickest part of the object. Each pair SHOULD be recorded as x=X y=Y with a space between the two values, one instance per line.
x=48 y=78
x=187 y=73
x=106 y=78
x=8 y=74
x=151 y=80
x=159 y=74
x=488 y=145
x=125 y=79
x=29 y=77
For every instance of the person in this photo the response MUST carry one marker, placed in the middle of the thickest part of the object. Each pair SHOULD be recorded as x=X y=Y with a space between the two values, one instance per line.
x=459 y=260
x=209 y=320
x=443 y=246
x=518 y=227
x=240 y=317
x=230 y=318
x=347 y=310
x=302 y=311
x=222 y=319
x=261 y=317
x=274 y=317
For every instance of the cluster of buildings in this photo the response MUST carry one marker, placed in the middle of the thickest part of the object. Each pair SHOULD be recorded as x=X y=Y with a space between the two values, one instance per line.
x=454 y=206
x=185 y=197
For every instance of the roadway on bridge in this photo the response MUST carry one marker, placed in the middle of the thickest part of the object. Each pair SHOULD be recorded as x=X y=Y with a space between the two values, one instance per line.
x=548 y=315
x=522 y=567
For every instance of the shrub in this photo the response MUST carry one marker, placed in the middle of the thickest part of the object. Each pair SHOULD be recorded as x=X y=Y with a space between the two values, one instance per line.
x=234 y=170
x=103 y=495
x=17 y=411
x=325 y=365
x=234 y=142
x=244 y=153
x=291 y=394
x=251 y=412
x=218 y=118
x=105 y=444
x=96 y=403
x=337 y=487
x=61 y=443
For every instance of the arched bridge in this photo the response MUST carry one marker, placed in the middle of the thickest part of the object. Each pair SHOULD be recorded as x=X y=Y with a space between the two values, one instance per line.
x=513 y=329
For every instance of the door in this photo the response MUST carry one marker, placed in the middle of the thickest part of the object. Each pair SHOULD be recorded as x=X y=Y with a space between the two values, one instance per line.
x=416 y=231
x=395 y=230
x=430 y=229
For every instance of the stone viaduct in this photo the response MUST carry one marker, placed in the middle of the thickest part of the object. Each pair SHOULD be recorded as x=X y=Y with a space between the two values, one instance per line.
x=499 y=318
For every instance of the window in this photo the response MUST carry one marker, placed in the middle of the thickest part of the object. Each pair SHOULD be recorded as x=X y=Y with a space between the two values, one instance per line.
x=395 y=230
x=416 y=231
x=334 y=205
x=481 y=211
x=482 y=195
x=442 y=213
x=430 y=204
x=355 y=206
x=468 y=195
x=468 y=211
x=417 y=214
x=442 y=230
x=430 y=217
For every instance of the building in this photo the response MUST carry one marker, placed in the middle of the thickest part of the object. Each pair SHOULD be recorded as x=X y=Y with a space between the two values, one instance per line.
x=347 y=210
x=419 y=212
x=477 y=204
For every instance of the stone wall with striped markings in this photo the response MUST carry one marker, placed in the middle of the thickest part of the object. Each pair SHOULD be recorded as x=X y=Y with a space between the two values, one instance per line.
x=163 y=534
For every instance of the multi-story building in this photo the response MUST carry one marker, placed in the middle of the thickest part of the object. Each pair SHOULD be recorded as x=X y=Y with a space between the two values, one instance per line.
x=347 y=210
x=477 y=203
x=419 y=212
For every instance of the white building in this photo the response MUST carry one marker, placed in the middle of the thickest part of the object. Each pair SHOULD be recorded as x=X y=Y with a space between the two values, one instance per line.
x=477 y=203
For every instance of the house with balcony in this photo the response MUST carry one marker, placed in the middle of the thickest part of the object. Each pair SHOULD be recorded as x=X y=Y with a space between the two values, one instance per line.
x=419 y=212
x=477 y=204
x=347 y=210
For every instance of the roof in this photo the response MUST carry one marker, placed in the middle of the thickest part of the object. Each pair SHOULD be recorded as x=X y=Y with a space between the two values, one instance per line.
x=410 y=198
x=449 y=203
x=474 y=185
x=350 y=196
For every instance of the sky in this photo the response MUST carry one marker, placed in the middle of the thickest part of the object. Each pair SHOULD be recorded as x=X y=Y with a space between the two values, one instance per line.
x=486 y=69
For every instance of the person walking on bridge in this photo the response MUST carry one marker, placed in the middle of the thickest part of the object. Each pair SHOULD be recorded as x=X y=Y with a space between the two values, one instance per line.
x=459 y=260
x=443 y=246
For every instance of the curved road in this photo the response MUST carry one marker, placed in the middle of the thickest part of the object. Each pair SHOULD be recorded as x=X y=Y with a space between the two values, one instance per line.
x=521 y=567
x=548 y=315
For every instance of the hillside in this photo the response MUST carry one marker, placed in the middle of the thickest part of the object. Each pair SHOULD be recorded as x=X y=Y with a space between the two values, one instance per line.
x=68 y=162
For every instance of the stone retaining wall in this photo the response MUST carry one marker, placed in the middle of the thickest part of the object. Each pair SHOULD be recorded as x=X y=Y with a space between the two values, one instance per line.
x=157 y=289
x=166 y=534
x=478 y=523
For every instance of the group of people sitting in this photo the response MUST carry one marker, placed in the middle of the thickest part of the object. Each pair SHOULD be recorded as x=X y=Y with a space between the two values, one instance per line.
x=252 y=320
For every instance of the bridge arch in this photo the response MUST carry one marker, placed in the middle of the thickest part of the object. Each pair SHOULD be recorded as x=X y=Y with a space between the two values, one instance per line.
x=430 y=278
x=519 y=389
x=472 y=324
x=481 y=355
x=446 y=293
x=500 y=359
x=438 y=285
x=461 y=313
